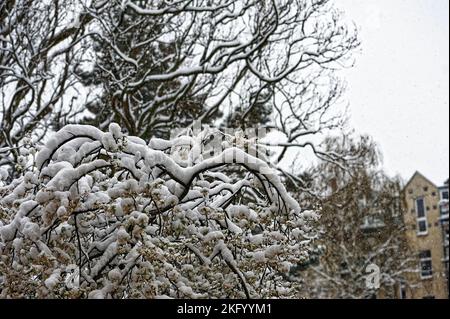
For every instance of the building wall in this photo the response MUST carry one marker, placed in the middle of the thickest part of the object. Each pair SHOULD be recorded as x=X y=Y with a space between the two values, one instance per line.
x=436 y=286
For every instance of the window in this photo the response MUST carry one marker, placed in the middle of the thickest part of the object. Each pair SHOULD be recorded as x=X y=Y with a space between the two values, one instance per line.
x=446 y=243
x=420 y=207
x=444 y=194
x=423 y=227
x=426 y=267
x=345 y=271
x=422 y=223
x=444 y=208
x=403 y=290
x=446 y=235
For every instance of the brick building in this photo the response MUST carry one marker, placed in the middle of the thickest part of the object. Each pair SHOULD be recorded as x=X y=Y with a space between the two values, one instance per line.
x=426 y=218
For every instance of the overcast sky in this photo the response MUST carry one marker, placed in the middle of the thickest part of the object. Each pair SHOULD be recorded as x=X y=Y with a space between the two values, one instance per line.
x=398 y=91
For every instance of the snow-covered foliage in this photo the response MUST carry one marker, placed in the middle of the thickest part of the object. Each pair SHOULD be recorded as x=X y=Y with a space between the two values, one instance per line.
x=105 y=215
x=95 y=214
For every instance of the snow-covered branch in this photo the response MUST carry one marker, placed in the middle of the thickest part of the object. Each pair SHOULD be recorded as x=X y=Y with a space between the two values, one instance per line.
x=129 y=220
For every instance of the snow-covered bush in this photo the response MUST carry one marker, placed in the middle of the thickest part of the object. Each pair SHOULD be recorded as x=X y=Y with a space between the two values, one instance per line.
x=103 y=215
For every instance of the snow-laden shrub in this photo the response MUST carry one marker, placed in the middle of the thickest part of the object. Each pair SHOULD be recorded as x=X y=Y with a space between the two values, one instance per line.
x=103 y=215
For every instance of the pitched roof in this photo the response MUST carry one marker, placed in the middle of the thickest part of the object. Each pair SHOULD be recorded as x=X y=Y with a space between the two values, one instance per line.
x=418 y=174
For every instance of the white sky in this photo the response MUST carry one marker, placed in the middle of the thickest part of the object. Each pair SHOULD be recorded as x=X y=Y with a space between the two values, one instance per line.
x=398 y=91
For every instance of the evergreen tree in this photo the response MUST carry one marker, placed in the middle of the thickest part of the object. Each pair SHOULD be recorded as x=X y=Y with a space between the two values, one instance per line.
x=129 y=47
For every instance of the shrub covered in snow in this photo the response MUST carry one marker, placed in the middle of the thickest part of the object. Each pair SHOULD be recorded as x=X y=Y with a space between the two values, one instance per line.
x=104 y=215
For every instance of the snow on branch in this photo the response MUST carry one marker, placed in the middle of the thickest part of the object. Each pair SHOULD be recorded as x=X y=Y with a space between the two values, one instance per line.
x=105 y=215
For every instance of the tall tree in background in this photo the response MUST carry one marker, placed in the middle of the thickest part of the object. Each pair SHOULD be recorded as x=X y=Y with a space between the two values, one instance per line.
x=155 y=64
x=162 y=64
x=126 y=49
x=361 y=225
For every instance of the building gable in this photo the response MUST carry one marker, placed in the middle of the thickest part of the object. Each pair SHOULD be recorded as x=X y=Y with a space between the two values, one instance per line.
x=419 y=178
